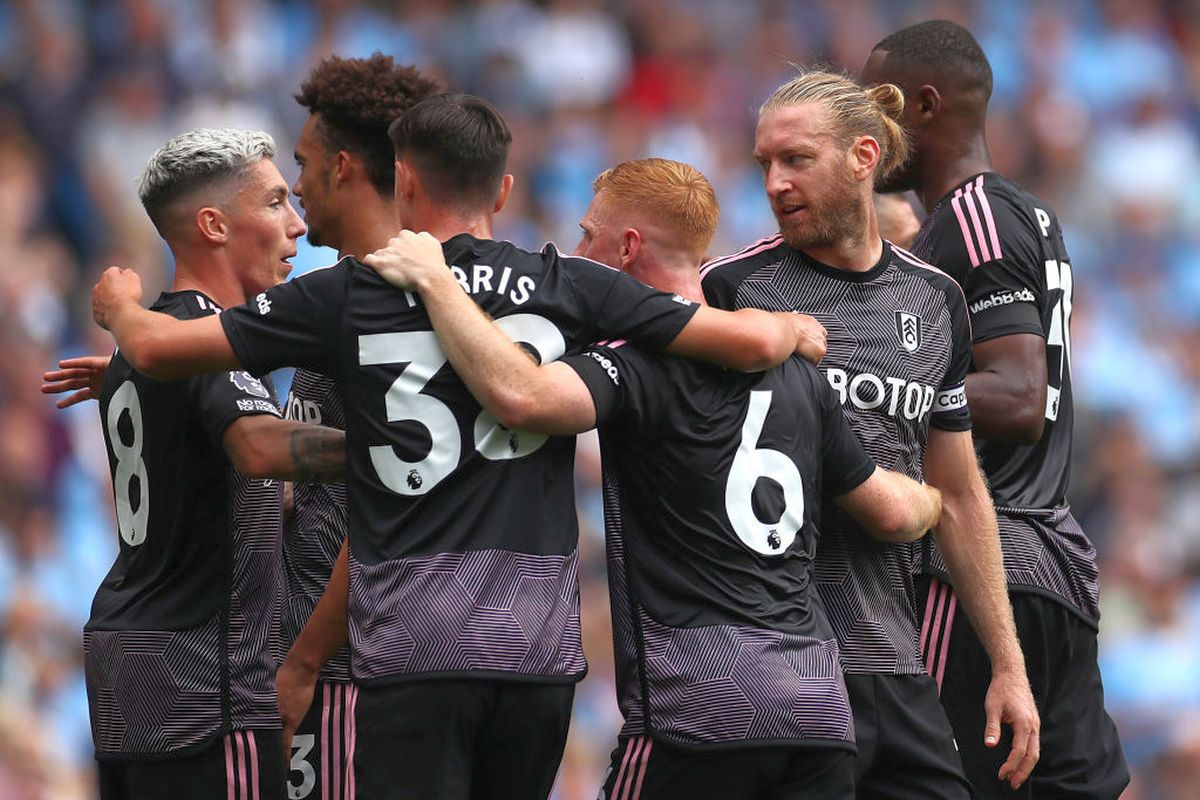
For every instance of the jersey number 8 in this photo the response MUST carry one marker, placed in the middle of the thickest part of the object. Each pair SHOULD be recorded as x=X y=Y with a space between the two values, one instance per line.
x=130 y=465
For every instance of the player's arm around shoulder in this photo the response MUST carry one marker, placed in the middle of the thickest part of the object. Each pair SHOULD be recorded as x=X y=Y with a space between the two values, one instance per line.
x=749 y=339
x=157 y=345
x=892 y=507
x=518 y=392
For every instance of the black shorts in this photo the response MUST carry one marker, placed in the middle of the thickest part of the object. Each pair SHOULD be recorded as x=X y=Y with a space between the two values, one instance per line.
x=1081 y=755
x=906 y=748
x=319 y=768
x=459 y=739
x=645 y=769
x=242 y=765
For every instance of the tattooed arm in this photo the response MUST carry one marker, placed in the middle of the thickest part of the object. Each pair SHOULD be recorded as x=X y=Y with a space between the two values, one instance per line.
x=263 y=446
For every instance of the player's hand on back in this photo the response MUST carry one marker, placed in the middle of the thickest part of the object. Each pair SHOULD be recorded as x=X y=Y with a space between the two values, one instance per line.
x=81 y=376
x=811 y=338
x=410 y=261
x=116 y=287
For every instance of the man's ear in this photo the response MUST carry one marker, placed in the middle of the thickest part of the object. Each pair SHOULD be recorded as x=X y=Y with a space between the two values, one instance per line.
x=929 y=103
x=343 y=166
x=213 y=224
x=864 y=155
x=506 y=185
x=631 y=247
x=405 y=182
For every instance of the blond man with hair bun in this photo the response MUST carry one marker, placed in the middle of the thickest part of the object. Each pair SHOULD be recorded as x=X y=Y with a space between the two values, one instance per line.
x=727 y=667
x=899 y=351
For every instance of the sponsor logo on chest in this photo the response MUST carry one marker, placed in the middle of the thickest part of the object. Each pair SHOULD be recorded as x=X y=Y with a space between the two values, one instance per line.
x=889 y=395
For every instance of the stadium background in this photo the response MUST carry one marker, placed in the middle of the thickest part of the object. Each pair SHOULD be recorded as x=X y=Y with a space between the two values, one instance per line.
x=1096 y=109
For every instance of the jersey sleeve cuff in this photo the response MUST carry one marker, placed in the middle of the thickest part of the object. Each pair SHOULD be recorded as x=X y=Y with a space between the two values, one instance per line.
x=853 y=480
x=952 y=423
x=667 y=332
x=600 y=384
x=984 y=334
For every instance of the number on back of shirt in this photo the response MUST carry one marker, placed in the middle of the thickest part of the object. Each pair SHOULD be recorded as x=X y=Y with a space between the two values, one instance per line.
x=423 y=357
x=302 y=745
x=751 y=463
x=1058 y=339
x=131 y=484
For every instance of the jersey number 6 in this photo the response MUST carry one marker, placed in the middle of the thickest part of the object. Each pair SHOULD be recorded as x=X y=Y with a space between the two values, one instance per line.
x=751 y=463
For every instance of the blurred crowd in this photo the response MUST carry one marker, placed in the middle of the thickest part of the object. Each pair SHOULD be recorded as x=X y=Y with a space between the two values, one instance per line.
x=1096 y=110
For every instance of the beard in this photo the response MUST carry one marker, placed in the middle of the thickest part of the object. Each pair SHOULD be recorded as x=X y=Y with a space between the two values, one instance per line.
x=837 y=216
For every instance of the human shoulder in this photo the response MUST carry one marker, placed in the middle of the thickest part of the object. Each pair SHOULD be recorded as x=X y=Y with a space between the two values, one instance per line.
x=762 y=253
x=915 y=268
x=995 y=219
x=186 y=304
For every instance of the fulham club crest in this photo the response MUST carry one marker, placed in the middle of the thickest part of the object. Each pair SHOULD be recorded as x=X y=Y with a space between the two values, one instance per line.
x=908 y=328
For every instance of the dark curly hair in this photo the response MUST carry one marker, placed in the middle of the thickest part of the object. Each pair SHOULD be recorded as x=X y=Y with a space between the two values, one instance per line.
x=357 y=99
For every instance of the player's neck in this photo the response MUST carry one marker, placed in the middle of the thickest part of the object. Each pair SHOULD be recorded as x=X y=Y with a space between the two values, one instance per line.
x=445 y=224
x=373 y=224
x=214 y=278
x=677 y=273
x=949 y=166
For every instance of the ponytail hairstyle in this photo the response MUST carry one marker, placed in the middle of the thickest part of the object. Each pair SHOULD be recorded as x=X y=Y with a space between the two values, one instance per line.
x=853 y=111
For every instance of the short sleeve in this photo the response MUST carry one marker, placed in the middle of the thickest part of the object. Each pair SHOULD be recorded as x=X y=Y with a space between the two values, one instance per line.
x=628 y=386
x=844 y=462
x=1004 y=293
x=294 y=324
x=621 y=307
x=950 y=411
x=998 y=262
x=223 y=397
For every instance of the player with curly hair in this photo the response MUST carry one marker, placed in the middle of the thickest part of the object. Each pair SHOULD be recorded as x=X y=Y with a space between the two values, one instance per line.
x=346 y=190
